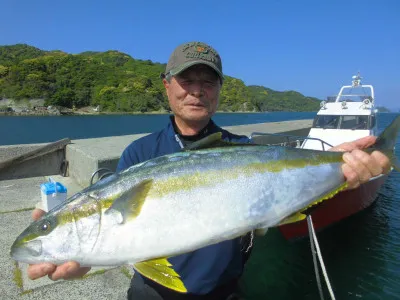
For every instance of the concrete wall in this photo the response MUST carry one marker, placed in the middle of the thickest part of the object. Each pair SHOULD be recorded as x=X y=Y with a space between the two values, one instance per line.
x=7 y=152
x=88 y=155
x=48 y=164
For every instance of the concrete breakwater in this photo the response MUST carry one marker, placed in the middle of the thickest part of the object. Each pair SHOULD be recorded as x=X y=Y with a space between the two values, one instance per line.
x=73 y=165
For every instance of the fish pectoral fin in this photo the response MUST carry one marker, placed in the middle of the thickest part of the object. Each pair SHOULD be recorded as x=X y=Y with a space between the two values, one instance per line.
x=161 y=271
x=302 y=214
x=129 y=204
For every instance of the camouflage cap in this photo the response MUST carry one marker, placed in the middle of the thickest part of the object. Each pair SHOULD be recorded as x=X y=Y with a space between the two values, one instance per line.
x=193 y=53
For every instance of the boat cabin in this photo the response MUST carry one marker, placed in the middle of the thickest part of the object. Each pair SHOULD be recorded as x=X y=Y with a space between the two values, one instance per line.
x=349 y=116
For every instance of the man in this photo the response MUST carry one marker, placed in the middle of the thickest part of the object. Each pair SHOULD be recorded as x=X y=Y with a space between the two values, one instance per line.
x=193 y=81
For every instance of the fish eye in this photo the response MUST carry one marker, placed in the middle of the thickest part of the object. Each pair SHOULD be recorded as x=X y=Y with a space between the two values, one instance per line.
x=45 y=227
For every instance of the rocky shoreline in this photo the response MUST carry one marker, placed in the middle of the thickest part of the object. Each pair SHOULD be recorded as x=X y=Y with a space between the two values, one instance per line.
x=85 y=112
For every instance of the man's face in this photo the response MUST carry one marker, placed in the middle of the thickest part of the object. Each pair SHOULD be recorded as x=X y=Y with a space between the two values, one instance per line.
x=193 y=94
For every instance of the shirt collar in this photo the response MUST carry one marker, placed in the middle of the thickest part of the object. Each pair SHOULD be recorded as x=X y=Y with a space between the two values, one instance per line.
x=210 y=128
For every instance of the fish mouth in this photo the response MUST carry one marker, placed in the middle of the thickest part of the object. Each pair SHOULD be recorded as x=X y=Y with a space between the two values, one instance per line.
x=22 y=251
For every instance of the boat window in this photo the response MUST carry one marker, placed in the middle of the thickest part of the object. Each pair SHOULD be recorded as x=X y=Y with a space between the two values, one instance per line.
x=326 y=122
x=354 y=122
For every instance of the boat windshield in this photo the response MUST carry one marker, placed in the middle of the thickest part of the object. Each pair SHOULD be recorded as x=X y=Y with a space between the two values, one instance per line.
x=325 y=122
x=344 y=122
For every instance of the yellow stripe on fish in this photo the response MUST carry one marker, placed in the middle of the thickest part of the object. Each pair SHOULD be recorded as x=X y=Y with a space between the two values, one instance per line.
x=213 y=177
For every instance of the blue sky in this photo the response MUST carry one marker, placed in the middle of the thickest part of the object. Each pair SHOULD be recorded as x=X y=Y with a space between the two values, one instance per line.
x=313 y=47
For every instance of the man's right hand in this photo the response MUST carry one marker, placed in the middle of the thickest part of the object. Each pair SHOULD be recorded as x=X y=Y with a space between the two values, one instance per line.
x=68 y=270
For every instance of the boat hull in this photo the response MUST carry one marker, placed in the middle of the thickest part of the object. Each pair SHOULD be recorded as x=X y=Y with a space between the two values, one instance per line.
x=341 y=206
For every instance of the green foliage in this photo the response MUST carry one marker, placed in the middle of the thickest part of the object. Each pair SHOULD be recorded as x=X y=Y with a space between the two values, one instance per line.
x=117 y=82
x=3 y=71
x=10 y=55
x=235 y=96
x=265 y=99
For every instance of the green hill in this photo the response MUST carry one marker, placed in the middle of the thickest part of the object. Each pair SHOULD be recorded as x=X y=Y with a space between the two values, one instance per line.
x=265 y=99
x=118 y=82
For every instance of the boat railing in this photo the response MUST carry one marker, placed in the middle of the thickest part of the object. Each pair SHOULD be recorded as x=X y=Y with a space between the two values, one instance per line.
x=285 y=140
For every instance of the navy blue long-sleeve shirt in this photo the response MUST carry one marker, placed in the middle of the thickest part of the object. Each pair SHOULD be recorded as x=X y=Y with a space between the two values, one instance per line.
x=204 y=269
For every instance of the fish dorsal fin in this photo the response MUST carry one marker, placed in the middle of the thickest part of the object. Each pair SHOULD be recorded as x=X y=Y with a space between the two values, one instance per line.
x=161 y=271
x=212 y=141
x=301 y=215
x=129 y=204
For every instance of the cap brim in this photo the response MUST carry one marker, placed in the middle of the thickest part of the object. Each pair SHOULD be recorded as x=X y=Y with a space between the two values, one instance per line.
x=189 y=64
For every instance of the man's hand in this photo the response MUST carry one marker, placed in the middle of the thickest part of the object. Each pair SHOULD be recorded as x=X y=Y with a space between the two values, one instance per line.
x=360 y=166
x=68 y=270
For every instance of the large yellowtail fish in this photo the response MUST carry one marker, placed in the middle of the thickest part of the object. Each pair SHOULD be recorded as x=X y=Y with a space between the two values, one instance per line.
x=178 y=203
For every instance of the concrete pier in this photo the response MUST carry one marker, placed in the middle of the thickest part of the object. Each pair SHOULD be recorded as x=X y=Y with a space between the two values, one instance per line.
x=21 y=193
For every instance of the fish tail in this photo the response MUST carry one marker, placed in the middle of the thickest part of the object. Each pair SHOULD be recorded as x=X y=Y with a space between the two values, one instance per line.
x=386 y=141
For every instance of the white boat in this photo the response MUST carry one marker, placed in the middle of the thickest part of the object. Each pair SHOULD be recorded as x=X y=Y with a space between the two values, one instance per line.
x=348 y=116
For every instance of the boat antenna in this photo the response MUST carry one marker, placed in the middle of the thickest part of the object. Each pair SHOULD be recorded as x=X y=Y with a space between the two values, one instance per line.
x=356 y=80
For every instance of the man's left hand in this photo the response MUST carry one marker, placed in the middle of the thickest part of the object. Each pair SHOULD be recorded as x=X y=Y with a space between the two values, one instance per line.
x=359 y=166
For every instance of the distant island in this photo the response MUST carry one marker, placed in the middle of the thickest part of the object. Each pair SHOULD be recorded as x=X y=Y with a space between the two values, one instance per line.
x=112 y=81
x=382 y=109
